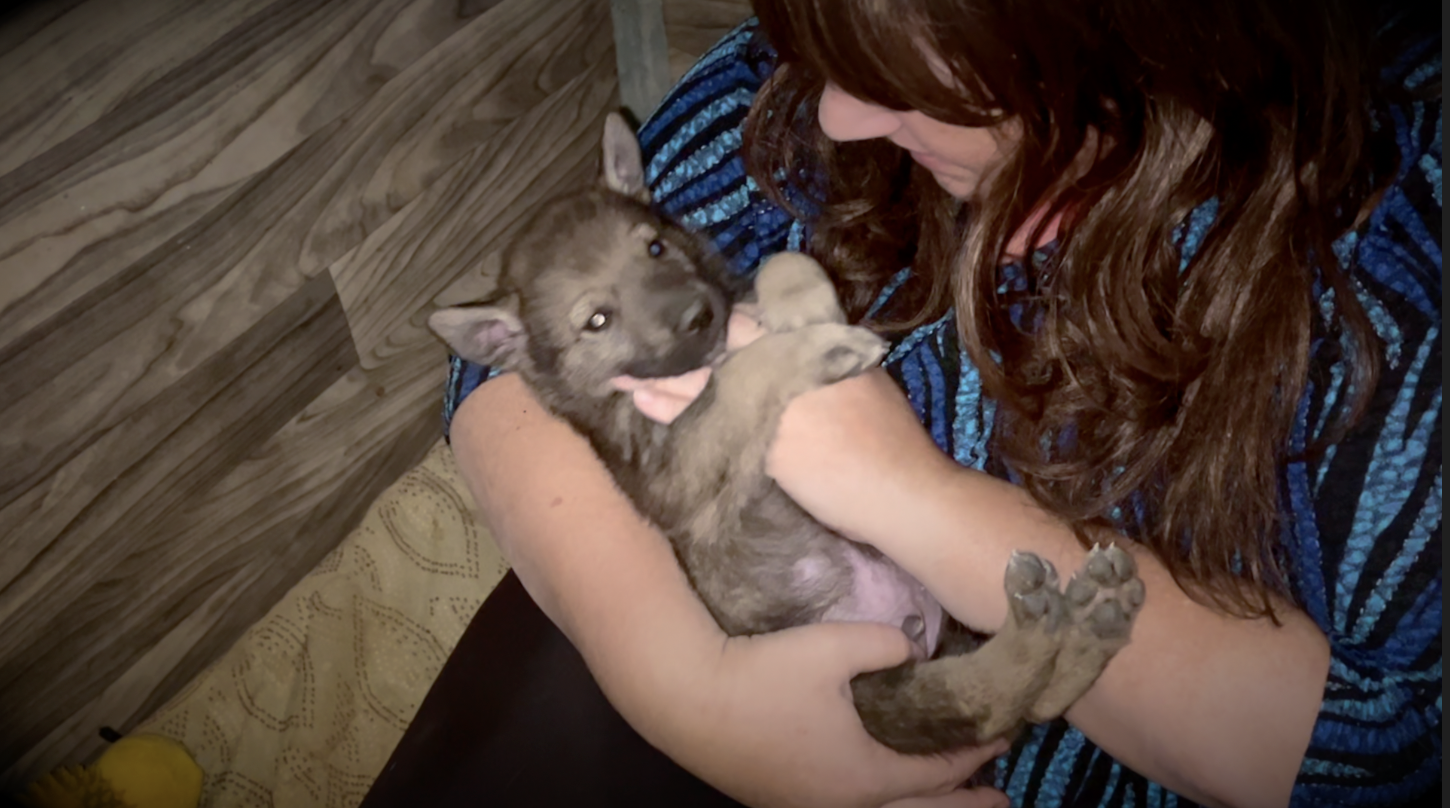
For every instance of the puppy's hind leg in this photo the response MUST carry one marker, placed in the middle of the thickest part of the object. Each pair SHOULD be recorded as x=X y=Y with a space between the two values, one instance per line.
x=951 y=702
x=1102 y=599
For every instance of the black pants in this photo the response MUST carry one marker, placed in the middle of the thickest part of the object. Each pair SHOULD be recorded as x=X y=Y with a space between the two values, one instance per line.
x=515 y=719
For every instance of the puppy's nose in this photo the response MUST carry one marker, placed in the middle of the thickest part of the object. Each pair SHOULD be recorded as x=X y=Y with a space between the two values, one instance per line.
x=698 y=316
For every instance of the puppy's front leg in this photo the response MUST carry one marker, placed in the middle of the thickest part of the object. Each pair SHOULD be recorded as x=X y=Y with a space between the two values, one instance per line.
x=792 y=291
x=726 y=433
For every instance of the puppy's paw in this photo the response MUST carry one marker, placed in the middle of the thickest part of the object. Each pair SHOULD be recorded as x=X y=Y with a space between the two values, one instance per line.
x=1106 y=595
x=1100 y=603
x=1033 y=597
x=836 y=352
x=793 y=292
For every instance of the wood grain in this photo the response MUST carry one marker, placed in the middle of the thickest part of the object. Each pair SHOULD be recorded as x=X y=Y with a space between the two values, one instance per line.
x=127 y=340
x=222 y=226
x=397 y=274
x=85 y=603
x=393 y=401
x=76 y=738
x=85 y=62
x=20 y=21
x=199 y=130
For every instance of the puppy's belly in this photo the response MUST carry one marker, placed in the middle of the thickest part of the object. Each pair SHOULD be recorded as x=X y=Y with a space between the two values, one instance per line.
x=882 y=592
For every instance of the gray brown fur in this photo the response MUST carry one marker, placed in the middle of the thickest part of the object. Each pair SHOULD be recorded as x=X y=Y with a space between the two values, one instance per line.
x=659 y=300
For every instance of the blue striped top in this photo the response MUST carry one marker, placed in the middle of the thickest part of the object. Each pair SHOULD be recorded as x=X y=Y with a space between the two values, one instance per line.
x=1362 y=532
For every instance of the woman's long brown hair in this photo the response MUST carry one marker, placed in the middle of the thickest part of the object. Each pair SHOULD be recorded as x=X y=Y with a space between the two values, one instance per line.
x=1133 y=392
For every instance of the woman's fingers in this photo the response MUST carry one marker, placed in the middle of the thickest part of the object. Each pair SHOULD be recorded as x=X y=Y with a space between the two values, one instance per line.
x=664 y=399
x=861 y=647
x=744 y=328
x=961 y=798
x=953 y=769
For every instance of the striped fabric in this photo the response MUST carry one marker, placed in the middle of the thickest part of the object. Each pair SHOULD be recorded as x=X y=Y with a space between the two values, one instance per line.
x=1362 y=522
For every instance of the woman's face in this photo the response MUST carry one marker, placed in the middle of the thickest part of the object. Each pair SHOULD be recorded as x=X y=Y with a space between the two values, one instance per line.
x=961 y=158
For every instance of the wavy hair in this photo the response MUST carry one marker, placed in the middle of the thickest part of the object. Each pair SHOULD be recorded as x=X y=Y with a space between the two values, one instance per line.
x=1134 y=392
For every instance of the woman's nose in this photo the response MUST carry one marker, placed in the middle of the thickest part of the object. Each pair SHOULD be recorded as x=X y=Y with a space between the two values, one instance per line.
x=844 y=117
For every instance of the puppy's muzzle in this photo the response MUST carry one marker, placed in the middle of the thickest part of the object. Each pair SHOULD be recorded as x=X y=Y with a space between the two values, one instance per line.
x=694 y=319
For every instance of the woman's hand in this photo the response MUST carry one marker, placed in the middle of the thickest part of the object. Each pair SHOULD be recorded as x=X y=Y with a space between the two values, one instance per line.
x=776 y=726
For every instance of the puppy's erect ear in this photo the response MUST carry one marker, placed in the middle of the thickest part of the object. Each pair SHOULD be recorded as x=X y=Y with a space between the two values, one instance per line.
x=623 y=166
x=485 y=333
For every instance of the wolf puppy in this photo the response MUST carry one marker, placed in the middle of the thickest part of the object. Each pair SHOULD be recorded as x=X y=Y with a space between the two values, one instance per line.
x=599 y=287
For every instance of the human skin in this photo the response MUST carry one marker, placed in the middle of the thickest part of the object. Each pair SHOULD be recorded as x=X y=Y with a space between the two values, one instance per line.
x=768 y=720
x=1216 y=708
x=961 y=159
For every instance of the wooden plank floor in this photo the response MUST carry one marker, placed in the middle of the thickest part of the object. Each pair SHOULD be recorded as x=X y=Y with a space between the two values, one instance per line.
x=221 y=227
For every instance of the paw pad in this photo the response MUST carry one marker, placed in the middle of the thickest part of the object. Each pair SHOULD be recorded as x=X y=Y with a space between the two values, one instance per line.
x=1106 y=594
x=1032 y=589
x=1110 y=566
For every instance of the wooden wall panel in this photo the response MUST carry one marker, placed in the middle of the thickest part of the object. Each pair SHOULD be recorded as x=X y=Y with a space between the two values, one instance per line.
x=692 y=26
x=99 y=592
x=126 y=341
x=198 y=131
x=396 y=275
x=222 y=226
x=85 y=62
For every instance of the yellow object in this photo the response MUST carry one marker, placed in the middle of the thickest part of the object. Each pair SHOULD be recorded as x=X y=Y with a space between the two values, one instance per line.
x=138 y=771
x=151 y=771
x=71 y=787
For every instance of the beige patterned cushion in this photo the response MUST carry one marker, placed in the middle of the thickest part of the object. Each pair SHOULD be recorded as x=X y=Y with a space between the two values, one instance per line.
x=306 y=707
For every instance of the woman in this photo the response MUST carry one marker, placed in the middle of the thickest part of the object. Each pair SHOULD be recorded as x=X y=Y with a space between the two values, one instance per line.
x=1175 y=282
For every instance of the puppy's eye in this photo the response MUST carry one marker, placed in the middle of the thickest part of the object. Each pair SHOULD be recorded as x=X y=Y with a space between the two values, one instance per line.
x=599 y=320
x=656 y=248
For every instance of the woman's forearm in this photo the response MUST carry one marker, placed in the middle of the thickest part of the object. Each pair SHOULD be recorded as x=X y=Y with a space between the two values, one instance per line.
x=604 y=576
x=1216 y=708
x=768 y=720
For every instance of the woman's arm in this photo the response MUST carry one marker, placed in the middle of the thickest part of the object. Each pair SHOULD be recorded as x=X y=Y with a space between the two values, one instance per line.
x=769 y=720
x=1215 y=708
x=576 y=545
